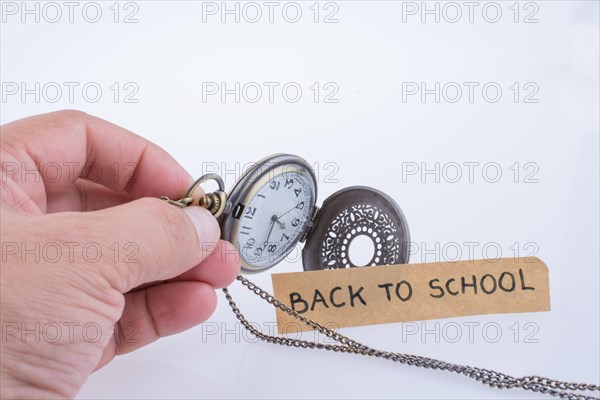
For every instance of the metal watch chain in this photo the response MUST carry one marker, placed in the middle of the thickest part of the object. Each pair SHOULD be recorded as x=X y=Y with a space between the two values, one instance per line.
x=347 y=345
x=216 y=203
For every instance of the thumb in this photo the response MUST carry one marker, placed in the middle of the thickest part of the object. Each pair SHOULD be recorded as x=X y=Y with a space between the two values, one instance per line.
x=158 y=241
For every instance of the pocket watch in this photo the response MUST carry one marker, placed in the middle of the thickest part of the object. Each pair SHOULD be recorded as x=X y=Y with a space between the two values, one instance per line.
x=272 y=208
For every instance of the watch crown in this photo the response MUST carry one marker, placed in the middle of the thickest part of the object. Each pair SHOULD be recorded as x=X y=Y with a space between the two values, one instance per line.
x=214 y=202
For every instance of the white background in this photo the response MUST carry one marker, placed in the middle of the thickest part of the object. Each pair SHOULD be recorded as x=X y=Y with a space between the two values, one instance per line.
x=369 y=133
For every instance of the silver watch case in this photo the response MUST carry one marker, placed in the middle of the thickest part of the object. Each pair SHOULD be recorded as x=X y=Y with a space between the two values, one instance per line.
x=247 y=187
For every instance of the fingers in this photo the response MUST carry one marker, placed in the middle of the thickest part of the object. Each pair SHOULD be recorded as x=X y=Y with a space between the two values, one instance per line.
x=173 y=306
x=219 y=269
x=160 y=311
x=65 y=145
x=167 y=240
x=86 y=196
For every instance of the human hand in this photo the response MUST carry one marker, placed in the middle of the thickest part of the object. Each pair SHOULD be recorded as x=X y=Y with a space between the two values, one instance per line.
x=89 y=254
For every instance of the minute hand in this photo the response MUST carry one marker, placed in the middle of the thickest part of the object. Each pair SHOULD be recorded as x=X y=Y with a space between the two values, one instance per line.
x=287 y=211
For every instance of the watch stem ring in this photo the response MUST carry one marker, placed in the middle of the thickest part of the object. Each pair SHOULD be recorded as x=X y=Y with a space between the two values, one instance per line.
x=216 y=201
x=205 y=178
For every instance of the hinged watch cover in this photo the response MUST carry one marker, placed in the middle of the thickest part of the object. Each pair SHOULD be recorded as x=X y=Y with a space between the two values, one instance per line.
x=352 y=212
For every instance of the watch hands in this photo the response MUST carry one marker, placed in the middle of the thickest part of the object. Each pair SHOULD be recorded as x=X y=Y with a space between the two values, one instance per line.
x=287 y=212
x=273 y=220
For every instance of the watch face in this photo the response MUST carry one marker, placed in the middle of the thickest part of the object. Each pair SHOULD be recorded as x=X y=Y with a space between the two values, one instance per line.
x=272 y=207
x=274 y=219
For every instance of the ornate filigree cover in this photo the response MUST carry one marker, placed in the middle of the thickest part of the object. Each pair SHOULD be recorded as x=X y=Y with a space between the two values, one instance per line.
x=353 y=212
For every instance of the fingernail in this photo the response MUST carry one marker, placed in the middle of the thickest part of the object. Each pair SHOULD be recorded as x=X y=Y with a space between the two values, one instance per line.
x=206 y=226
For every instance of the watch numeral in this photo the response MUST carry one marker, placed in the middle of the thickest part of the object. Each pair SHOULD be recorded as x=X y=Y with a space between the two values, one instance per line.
x=250 y=211
x=284 y=237
x=249 y=243
x=258 y=251
x=275 y=185
x=295 y=222
x=297 y=191
x=300 y=205
x=289 y=183
x=272 y=248
x=245 y=230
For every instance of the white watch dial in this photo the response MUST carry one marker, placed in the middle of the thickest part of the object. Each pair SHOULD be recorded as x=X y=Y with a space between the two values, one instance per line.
x=273 y=220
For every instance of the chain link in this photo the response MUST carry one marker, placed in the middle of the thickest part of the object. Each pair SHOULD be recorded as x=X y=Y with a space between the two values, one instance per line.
x=493 y=379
